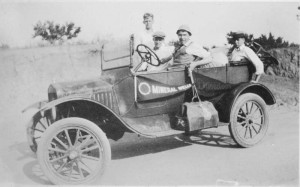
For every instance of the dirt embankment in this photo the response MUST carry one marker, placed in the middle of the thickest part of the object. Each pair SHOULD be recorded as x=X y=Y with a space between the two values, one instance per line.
x=283 y=80
x=25 y=74
x=288 y=62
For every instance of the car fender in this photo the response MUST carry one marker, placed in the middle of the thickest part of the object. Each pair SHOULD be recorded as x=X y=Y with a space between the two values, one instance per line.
x=35 y=106
x=225 y=104
x=52 y=106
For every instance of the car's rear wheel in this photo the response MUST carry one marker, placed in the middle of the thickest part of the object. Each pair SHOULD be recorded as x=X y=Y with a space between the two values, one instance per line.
x=73 y=151
x=249 y=120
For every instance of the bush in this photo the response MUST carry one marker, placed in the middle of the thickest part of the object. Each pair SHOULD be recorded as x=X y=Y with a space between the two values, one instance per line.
x=4 y=46
x=54 y=32
x=267 y=42
x=271 y=42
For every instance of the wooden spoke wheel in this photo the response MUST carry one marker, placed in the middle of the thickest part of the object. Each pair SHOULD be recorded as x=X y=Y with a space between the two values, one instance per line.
x=73 y=151
x=249 y=120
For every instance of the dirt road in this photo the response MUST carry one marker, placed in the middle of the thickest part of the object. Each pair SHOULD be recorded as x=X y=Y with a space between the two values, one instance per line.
x=210 y=158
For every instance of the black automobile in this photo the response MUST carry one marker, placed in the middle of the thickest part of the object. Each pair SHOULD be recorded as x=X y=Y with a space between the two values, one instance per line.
x=71 y=129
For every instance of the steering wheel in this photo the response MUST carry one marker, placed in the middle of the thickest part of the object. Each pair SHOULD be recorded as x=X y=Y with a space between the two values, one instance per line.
x=146 y=54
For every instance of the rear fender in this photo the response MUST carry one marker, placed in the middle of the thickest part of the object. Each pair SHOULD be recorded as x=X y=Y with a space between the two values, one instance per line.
x=225 y=104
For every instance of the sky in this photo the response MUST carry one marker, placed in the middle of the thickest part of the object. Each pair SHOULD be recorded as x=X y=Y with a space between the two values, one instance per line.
x=209 y=21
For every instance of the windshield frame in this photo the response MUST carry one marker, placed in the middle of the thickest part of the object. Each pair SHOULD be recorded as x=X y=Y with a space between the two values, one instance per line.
x=129 y=55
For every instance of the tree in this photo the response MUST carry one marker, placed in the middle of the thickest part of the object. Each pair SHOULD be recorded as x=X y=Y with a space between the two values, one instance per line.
x=3 y=46
x=55 y=32
x=231 y=38
x=271 y=41
x=267 y=42
x=294 y=45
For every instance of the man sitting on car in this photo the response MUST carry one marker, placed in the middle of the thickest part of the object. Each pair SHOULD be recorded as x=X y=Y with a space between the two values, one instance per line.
x=243 y=52
x=187 y=51
x=163 y=52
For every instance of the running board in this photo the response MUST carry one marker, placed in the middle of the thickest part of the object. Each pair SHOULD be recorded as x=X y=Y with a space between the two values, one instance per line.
x=166 y=133
x=153 y=126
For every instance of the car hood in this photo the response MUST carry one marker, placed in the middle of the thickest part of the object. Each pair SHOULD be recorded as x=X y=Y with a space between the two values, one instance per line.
x=84 y=88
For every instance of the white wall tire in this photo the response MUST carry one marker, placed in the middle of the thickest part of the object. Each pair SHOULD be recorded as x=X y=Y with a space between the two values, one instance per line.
x=73 y=151
x=249 y=120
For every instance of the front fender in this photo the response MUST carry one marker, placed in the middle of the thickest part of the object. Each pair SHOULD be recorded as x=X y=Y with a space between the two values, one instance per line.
x=226 y=103
x=45 y=105
x=37 y=105
x=52 y=106
x=58 y=101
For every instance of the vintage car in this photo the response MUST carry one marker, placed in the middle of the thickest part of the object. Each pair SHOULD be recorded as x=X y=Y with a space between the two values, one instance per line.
x=70 y=131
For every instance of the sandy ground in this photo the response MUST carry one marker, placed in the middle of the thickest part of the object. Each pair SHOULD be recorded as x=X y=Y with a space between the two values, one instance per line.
x=209 y=158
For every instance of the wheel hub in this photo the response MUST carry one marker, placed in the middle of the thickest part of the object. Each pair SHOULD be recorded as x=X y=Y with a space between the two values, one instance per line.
x=73 y=155
x=249 y=119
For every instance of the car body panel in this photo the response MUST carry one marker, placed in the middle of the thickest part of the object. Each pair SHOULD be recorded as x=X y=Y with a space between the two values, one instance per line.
x=165 y=103
x=227 y=101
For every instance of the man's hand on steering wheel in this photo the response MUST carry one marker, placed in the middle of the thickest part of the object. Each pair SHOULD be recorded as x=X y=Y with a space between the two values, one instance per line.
x=146 y=54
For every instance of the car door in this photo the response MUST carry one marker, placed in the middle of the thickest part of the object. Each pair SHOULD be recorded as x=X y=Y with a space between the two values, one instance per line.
x=158 y=92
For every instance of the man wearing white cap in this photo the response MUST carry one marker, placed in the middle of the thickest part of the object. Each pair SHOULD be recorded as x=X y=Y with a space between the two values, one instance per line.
x=188 y=52
x=163 y=52
x=241 y=51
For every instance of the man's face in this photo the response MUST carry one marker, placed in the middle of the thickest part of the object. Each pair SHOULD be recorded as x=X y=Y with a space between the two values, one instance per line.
x=158 y=42
x=183 y=37
x=148 y=23
x=239 y=42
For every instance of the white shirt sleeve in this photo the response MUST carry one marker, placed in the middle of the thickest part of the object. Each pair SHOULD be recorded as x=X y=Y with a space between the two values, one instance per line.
x=197 y=50
x=255 y=60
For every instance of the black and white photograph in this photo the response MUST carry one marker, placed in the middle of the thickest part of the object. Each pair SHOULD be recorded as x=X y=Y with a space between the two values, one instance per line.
x=149 y=93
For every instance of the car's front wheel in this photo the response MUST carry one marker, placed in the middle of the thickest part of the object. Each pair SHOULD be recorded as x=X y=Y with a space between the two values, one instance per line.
x=73 y=151
x=249 y=120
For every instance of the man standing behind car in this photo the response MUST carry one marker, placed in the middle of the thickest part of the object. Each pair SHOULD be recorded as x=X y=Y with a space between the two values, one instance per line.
x=187 y=51
x=241 y=52
x=163 y=52
x=145 y=37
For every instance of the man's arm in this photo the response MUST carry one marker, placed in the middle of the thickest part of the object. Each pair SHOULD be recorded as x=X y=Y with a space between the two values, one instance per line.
x=204 y=61
x=168 y=55
x=166 y=59
x=259 y=66
x=197 y=50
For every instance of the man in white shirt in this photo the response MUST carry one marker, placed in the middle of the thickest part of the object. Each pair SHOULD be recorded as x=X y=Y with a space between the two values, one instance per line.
x=145 y=36
x=163 y=52
x=241 y=51
x=187 y=51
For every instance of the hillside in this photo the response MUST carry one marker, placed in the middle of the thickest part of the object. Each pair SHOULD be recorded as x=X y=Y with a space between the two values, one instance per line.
x=283 y=80
x=25 y=76
x=26 y=73
x=288 y=62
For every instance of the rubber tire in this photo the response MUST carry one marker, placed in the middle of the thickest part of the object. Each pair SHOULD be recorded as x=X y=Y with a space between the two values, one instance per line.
x=73 y=122
x=30 y=132
x=233 y=125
